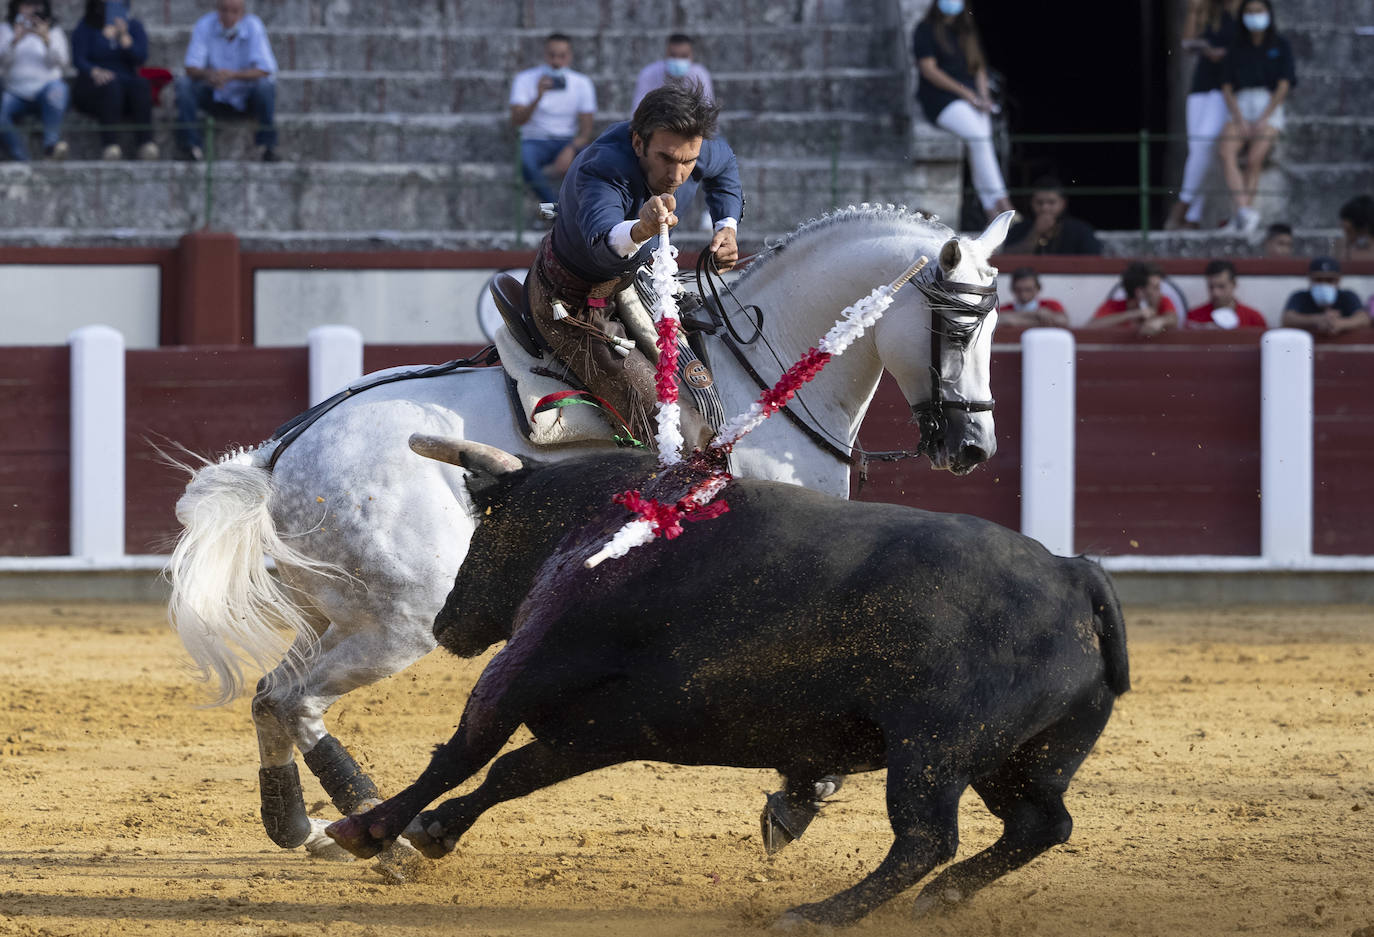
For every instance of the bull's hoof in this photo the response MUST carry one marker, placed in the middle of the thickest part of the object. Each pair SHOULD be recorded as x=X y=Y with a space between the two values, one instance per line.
x=794 y=922
x=359 y=836
x=427 y=834
x=786 y=816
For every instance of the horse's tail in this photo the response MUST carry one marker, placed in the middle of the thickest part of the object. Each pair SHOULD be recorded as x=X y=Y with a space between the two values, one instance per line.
x=226 y=607
x=1111 y=628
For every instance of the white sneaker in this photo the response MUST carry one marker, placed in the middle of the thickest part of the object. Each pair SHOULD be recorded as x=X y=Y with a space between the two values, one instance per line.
x=1247 y=220
x=112 y=152
x=148 y=151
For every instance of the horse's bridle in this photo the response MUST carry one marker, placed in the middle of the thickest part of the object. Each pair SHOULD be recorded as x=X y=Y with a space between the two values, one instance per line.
x=946 y=306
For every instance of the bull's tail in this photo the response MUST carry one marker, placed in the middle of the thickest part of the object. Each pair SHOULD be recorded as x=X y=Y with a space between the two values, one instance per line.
x=1111 y=628
x=226 y=607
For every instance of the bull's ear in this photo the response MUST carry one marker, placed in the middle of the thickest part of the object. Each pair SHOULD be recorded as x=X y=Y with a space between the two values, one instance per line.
x=473 y=456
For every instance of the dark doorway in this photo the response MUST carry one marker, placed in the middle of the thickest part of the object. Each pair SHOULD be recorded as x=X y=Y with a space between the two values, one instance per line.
x=1083 y=67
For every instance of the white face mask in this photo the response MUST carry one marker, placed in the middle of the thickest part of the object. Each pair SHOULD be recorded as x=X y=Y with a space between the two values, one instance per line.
x=1256 y=22
x=678 y=68
x=1031 y=306
x=1323 y=294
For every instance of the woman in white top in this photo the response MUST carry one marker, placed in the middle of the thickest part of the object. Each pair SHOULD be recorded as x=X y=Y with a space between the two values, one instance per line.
x=33 y=55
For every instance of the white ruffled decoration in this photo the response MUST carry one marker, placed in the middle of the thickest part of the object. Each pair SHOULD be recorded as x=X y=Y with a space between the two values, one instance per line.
x=634 y=534
x=668 y=416
x=734 y=429
x=669 y=436
x=855 y=320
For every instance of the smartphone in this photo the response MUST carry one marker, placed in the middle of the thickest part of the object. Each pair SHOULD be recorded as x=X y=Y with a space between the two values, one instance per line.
x=559 y=82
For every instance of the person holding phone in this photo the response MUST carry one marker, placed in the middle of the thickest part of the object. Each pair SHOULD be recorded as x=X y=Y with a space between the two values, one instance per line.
x=108 y=46
x=1209 y=31
x=554 y=108
x=33 y=54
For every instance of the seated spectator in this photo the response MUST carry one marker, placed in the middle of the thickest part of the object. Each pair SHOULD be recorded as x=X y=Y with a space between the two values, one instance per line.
x=1324 y=308
x=1145 y=307
x=677 y=65
x=108 y=46
x=554 y=107
x=1357 y=224
x=953 y=93
x=1028 y=308
x=33 y=54
x=1222 y=310
x=1258 y=74
x=1050 y=229
x=230 y=72
x=1278 y=240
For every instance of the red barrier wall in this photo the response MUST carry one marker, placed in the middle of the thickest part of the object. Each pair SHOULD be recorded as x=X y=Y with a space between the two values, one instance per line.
x=35 y=451
x=1343 y=496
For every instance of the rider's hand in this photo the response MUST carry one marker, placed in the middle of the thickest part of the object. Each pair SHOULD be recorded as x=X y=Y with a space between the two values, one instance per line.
x=724 y=246
x=656 y=212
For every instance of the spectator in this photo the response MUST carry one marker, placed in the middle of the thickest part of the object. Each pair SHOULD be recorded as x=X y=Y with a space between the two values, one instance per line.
x=1357 y=224
x=230 y=72
x=1258 y=75
x=1324 y=308
x=33 y=54
x=1222 y=310
x=677 y=65
x=1050 y=229
x=1211 y=29
x=1278 y=240
x=1028 y=308
x=953 y=93
x=1144 y=305
x=554 y=107
x=108 y=46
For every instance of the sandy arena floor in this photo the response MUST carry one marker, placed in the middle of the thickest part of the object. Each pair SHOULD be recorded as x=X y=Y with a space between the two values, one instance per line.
x=1233 y=792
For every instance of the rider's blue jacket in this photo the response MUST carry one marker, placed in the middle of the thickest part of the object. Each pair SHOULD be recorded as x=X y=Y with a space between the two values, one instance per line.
x=605 y=186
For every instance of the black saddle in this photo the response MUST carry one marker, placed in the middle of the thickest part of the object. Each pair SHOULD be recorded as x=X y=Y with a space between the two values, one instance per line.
x=513 y=302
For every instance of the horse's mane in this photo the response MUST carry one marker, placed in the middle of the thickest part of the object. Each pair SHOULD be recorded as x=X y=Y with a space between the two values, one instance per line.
x=894 y=215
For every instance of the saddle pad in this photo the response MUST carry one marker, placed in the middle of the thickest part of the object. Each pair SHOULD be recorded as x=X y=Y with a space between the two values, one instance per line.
x=556 y=427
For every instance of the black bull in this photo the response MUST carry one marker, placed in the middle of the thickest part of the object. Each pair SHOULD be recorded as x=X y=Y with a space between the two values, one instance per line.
x=799 y=632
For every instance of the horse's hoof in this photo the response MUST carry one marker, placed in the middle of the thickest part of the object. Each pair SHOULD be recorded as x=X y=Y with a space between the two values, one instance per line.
x=427 y=835
x=320 y=846
x=353 y=834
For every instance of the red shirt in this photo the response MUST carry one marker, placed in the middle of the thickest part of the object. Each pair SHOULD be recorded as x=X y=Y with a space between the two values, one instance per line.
x=1201 y=317
x=1053 y=305
x=1113 y=306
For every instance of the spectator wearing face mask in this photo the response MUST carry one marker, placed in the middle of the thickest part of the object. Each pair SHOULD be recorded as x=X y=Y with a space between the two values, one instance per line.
x=554 y=107
x=1144 y=307
x=231 y=73
x=1210 y=30
x=108 y=46
x=1258 y=75
x=953 y=93
x=1324 y=308
x=1028 y=308
x=1222 y=310
x=677 y=65
x=1357 y=228
x=1278 y=240
x=1051 y=229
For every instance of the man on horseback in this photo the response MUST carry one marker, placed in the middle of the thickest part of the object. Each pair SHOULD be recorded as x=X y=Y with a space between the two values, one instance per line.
x=617 y=193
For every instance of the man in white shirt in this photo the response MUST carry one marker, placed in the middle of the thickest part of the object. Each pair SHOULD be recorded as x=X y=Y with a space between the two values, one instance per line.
x=554 y=107
x=676 y=65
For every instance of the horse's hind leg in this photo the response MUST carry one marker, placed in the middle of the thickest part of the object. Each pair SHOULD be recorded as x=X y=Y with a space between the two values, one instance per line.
x=1027 y=794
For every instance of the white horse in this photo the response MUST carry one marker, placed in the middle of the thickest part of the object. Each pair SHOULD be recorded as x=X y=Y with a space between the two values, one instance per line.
x=367 y=536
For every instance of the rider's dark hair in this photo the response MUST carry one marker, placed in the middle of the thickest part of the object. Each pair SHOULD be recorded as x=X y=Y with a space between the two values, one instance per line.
x=1025 y=273
x=1137 y=276
x=1220 y=266
x=682 y=109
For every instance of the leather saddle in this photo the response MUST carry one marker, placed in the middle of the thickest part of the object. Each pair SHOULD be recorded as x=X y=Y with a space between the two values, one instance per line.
x=513 y=302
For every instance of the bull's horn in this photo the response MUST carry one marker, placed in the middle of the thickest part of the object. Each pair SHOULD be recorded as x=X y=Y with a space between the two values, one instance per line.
x=476 y=456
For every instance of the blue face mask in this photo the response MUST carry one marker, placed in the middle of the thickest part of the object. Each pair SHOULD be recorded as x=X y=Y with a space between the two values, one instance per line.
x=1256 y=22
x=116 y=11
x=951 y=7
x=1323 y=294
x=678 y=68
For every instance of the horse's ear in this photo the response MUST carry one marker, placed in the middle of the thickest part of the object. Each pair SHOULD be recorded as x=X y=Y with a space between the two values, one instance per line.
x=950 y=255
x=996 y=234
x=473 y=456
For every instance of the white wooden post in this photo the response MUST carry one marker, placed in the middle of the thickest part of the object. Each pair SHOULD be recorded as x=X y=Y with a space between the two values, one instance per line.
x=1286 y=450
x=336 y=360
x=97 y=442
x=1047 y=437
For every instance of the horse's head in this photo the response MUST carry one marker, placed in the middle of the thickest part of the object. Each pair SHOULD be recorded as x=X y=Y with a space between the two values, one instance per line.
x=939 y=349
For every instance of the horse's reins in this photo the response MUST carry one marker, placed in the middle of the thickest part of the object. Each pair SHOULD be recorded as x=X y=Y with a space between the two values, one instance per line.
x=930 y=416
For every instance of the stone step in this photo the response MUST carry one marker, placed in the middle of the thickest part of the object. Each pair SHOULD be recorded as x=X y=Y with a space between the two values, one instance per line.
x=1318 y=190
x=543 y=15
x=611 y=55
x=1330 y=93
x=1332 y=45
x=838 y=89
x=447 y=138
x=1307 y=242
x=1328 y=139
x=329 y=197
